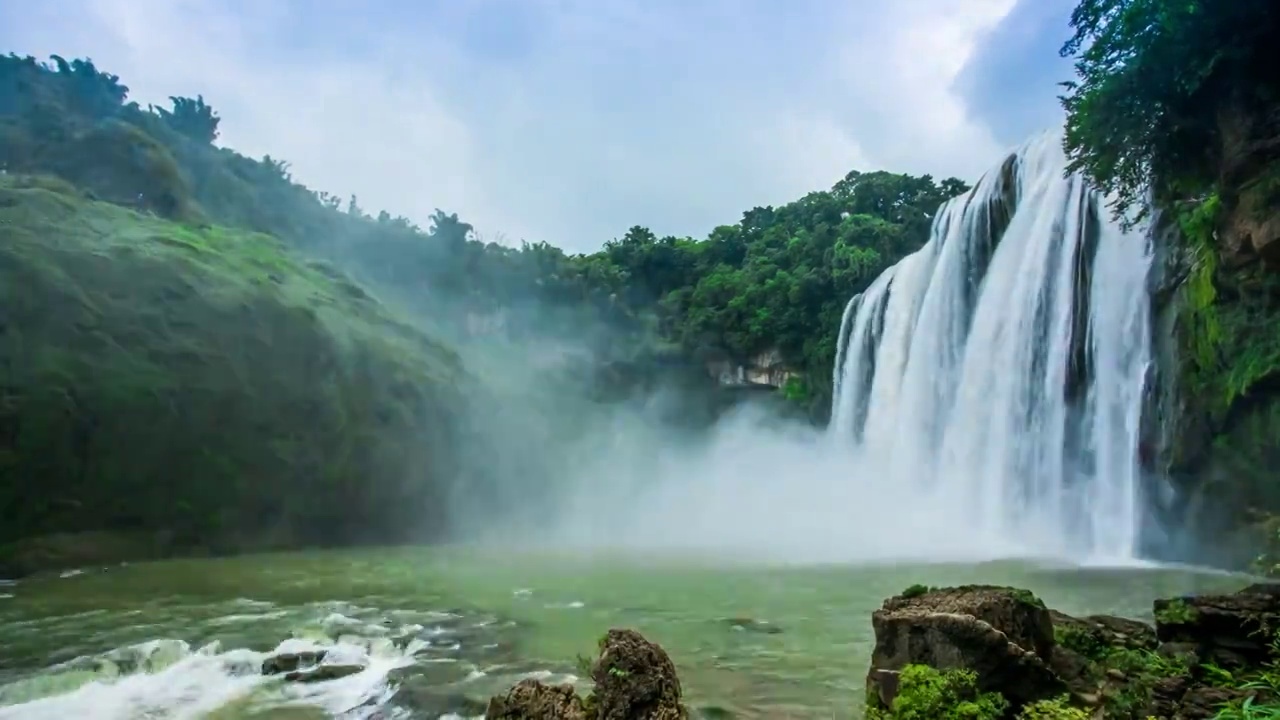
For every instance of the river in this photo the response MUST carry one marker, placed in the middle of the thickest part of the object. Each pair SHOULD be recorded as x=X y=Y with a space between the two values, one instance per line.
x=444 y=628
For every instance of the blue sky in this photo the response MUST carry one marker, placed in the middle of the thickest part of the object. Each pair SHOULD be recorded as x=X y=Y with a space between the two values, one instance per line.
x=570 y=120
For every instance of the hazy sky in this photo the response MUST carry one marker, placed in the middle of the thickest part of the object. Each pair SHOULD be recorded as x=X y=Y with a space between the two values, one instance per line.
x=570 y=120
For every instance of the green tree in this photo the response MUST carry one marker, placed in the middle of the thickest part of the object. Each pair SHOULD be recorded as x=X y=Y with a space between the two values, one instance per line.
x=1154 y=79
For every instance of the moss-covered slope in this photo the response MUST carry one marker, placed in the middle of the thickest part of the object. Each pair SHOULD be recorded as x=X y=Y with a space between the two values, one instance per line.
x=202 y=388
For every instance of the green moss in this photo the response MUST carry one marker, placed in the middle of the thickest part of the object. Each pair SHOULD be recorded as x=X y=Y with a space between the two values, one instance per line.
x=928 y=694
x=1027 y=597
x=1177 y=612
x=1081 y=640
x=1204 y=332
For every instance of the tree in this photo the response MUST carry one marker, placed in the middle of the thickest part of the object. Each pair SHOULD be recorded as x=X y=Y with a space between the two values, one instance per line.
x=192 y=118
x=1154 y=75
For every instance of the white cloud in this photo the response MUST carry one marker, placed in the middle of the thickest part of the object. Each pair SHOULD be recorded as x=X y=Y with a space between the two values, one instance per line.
x=585 y=117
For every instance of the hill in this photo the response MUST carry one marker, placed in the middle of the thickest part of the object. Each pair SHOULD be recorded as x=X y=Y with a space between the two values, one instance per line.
x=168 y=387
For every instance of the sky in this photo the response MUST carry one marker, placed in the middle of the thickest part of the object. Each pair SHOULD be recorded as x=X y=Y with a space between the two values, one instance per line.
x=568 y=121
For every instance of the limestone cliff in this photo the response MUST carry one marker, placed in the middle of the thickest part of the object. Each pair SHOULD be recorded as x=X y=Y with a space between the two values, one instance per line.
x=1214 y=420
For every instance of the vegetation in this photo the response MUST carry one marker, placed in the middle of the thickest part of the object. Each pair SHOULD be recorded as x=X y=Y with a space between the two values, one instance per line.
x=925 y=693
x=776 y=280
x=199 y=387
x=928 y=694
x=1154 y=77
x=1178 y=103
x=162 y=324
x=1262 y=702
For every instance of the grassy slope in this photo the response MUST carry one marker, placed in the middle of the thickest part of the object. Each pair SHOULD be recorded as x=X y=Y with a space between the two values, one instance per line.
x=203 y=388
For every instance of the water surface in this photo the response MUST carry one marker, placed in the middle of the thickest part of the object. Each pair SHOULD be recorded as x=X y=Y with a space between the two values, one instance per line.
x=445 y=628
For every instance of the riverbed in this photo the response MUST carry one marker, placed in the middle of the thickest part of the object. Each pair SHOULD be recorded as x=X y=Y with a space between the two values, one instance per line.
x=441 y=629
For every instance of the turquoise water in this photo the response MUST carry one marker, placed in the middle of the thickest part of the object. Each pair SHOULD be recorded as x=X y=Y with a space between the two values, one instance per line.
x=771 y=641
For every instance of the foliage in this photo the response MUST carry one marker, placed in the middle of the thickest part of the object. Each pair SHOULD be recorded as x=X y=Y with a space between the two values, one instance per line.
x=1153 y=76
x=928 y=694
x=916 y=590
x=1080 y=640
x=205 y=384
x=1142 y=669
x=776 y=280
x=1177 y=612
x=1261 y=704
x=1055 y=709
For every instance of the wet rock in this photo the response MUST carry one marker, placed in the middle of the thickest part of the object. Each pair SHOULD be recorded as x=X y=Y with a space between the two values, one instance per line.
x=327 y=671
x=747 y=624
x=1231 y=630
x=532 y=700
x=1166 y=694
x=1003 y=635
x=290 y=661
x=635 y=680
x=1106 y=630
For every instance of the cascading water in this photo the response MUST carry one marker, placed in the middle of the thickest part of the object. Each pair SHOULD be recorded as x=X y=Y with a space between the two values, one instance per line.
x=999 y=370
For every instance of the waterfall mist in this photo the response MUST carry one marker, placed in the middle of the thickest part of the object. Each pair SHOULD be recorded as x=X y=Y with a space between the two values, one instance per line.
x=988 y=391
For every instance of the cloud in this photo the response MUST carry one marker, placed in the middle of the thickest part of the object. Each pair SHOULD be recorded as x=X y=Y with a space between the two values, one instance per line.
x=1011 y=84
x=559 y=120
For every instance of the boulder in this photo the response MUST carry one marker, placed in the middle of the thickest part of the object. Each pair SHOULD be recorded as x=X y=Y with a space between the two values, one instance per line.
x=1231 y=630
x=635 y=680
x=287 y=662
x=1003 y=635
x=532 y=700
x=325 y=671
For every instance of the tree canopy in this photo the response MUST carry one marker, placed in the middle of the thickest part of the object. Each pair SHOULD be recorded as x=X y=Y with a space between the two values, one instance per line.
x=1154 y=79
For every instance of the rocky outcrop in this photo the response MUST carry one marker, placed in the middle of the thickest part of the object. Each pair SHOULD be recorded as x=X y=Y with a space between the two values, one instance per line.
x=634 y=680
x=1018 y=658
x=766 y=370
x=1213 y=414
x=1249 y=180
x=312 y=665
x=1229 y=630
x=532 y=700
x=1002 y=635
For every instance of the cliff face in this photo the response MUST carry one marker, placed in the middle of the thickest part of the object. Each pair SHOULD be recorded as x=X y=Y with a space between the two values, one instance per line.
x=1215 y=415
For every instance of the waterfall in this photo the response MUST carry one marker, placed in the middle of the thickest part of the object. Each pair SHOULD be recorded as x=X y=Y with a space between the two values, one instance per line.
x=999 y=370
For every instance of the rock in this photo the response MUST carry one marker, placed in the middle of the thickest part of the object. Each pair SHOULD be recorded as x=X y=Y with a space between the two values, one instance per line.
x=532 y=700
x=320 y=673
x=291 y=661
x=635 y=680
x=1230 y=630
x=1202 y=703
x=752 y=625
x=1003 y=635
x=1166 y=694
